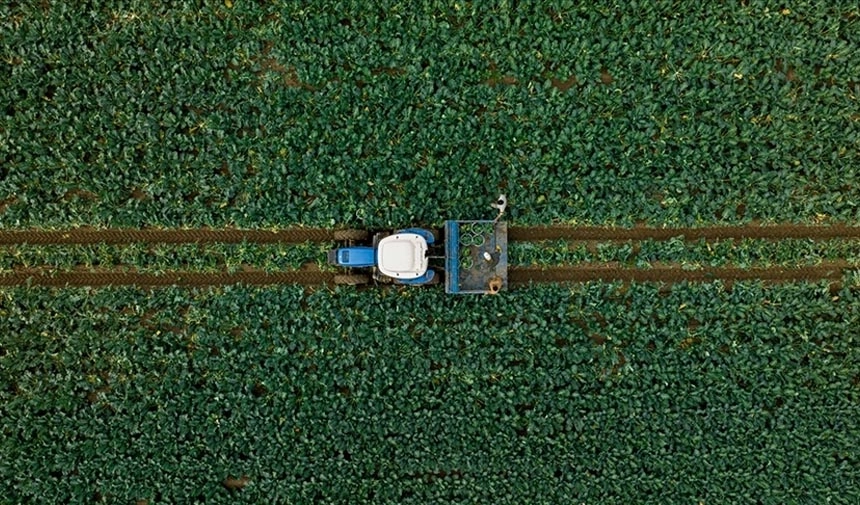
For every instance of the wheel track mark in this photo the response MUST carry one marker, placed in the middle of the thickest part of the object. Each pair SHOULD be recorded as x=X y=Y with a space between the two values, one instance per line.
x=519 y=276
x=600 y=233
x=80 y=236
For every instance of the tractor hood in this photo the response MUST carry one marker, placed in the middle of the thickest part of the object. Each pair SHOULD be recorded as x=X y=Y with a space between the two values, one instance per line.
x=402 y=256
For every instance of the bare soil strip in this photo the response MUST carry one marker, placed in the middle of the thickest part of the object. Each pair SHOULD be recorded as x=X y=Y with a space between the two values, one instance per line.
x=83 y=236
x=832 y=271
x=600 y=233
x=520 y=276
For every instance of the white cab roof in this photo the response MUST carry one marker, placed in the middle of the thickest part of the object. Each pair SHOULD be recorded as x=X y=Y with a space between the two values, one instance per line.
x=402 y=256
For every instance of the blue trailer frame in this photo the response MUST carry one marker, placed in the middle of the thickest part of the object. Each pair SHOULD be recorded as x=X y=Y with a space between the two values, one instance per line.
x=487 y=262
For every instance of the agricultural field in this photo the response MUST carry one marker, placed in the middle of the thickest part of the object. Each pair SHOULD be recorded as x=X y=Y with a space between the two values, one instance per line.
x=683 y=316
x=539 y=395
x=264 y=114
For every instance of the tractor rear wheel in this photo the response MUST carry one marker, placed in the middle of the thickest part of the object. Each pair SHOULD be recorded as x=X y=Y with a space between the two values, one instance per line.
x=437 y=278
x=349 y=235
x=351 y=279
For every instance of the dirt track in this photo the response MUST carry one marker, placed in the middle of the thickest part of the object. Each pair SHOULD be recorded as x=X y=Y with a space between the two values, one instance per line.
x=833 y=271
x=298 y=235
x=773 y=232
x=81 y=236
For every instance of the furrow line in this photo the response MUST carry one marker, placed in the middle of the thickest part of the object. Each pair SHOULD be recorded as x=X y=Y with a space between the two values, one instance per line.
x=600 y=233
x=83 y=236
x=518 y=276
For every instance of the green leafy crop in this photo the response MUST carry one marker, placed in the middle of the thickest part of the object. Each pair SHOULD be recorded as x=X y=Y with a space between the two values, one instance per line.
x=742 y=253
x=164 y=257
x=544 y=395
x=265 y=113
x=375 y=115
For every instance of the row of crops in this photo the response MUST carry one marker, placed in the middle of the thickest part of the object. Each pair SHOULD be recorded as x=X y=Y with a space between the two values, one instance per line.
x=743 y=253
x=265 y=113
x=154 y=258
x=549 y=395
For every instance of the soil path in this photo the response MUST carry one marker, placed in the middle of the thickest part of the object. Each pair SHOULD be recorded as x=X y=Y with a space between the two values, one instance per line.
x=520 y=276
x=79 y=236
x=773 y=232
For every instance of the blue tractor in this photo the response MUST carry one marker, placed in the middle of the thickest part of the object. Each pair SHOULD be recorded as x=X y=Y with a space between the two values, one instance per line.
x=471 y=256
x=402 y=257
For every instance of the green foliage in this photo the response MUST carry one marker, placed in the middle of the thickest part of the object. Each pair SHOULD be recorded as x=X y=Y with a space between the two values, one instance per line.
x=258 y=114
x=269 y=113
x=544 y=395
x=742 y=253
x=165 y=257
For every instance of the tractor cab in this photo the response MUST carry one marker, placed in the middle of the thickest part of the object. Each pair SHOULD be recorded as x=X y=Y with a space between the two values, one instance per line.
x=402 y=256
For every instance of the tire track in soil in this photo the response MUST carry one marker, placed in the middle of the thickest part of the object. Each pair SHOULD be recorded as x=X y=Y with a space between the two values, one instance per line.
x=601 y=233
x=830 y=271
x=518 y=276
x=85 y=236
